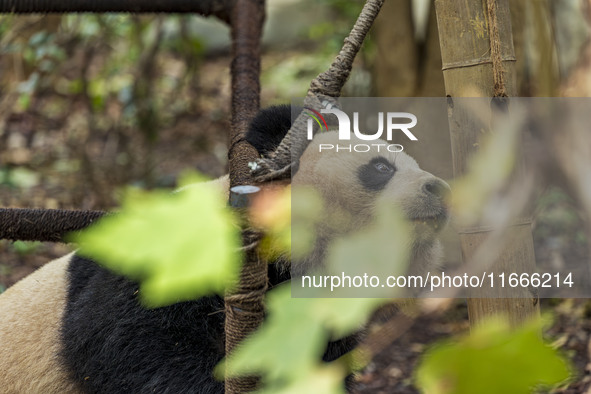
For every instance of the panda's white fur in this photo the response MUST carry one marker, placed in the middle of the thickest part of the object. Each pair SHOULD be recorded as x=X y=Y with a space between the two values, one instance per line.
x=31 y=312
x=30 y=320
x=335 y=174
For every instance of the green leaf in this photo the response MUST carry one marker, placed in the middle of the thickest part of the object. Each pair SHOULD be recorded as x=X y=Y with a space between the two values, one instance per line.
x=287 y=350
x=179 y=246
x=343 y=316
x=488 y=173
x=379 y=250
x=23 y=178
x=326 y=379
x=306 y=211
x=278 y=350
x=493 y=359
x=39 y=38
x=24 y=248
x=98 y=91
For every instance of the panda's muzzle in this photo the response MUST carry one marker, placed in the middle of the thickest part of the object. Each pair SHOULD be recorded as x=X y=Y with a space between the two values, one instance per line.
x=434 y=213
x=436 y=222
x=436 y=188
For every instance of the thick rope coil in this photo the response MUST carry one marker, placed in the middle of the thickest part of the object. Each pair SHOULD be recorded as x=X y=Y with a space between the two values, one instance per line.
x=243 y=307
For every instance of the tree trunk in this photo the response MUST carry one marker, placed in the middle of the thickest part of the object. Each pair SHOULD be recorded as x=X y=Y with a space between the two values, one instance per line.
x=396 y=61
x=533 y=38
x=431 y=79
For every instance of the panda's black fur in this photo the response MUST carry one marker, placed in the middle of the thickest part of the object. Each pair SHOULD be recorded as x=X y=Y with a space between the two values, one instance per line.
x=269 y=126
x=111 y=344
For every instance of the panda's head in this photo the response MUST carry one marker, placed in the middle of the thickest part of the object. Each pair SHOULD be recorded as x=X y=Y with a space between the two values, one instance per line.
x=353 y=184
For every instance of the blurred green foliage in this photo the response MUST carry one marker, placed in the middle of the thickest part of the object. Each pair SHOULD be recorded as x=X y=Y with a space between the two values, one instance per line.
x=85 y=100
x=488 y=174
x=492 y=359
x=25 y=247
x=180 y=246
x=331 y=32
x=125 y=73
x=557 y=216
x=18 y=177
x=287 y=350
x=155 y=239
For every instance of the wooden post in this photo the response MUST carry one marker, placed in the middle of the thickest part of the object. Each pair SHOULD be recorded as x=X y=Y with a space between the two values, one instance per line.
x=468 y=57
x=244 y=306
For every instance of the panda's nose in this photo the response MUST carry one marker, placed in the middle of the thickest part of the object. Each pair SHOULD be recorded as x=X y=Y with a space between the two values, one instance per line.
x=436 y=188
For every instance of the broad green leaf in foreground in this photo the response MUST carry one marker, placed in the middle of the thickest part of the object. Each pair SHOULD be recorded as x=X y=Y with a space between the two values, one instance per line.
x=493 y=359
x=325 y=379
x=288 y=217
x=288 y=348
x=271 y=211
x=306 y=210
x=380 y=249
x=178 y=246
x=488 y=173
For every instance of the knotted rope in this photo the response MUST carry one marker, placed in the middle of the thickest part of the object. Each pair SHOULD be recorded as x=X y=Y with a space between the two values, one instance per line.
x=243 y=307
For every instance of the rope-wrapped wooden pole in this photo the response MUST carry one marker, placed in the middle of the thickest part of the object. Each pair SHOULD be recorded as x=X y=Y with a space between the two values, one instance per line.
x=48 y=225
x=247 y=27
x=244 y=306
x=217 y=8
x=325 y=87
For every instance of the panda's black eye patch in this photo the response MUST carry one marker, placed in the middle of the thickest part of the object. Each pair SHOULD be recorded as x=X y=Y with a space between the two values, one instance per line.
x=376 y=174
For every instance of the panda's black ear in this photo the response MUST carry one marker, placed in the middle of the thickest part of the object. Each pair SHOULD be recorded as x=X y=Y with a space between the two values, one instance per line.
x=269 y=126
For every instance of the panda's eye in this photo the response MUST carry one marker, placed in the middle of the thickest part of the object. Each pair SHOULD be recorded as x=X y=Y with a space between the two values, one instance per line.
x=383 y=167
x=376 y=174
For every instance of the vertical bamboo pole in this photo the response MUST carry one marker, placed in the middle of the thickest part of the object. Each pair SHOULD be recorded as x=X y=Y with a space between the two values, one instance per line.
x=467 y=58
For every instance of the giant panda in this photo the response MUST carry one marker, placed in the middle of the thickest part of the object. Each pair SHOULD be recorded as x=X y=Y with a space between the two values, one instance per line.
x=75 y=327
